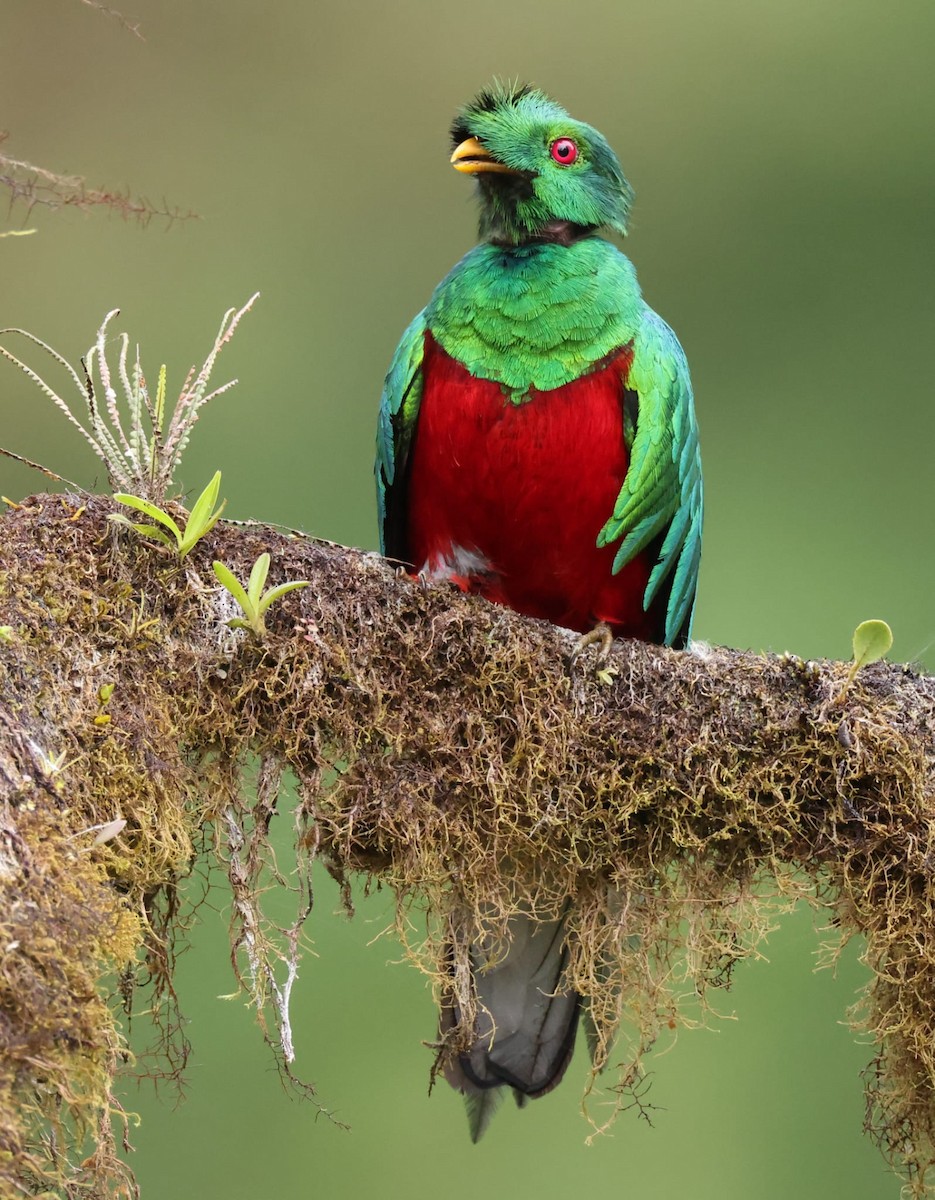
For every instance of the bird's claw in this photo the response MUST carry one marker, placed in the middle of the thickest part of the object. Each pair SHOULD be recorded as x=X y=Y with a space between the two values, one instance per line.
x=419 y=577
x=602 y=637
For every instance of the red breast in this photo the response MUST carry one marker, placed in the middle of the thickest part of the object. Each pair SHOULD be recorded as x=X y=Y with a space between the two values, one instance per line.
x=511 y=496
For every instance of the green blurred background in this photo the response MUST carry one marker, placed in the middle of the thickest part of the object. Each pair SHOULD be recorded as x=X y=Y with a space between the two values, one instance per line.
x=782 y=158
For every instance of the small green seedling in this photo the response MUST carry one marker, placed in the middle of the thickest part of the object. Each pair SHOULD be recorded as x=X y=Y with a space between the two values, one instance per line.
x=104 y=693
x=201 y=520
x=873 y=640
x=7 y=634
x=51 y=764
x=254 y=601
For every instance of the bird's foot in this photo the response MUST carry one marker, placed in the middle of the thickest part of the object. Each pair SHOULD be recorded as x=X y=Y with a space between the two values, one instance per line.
x=466 y=570
x=426 y=579
x=417 y=578
x=601 y=636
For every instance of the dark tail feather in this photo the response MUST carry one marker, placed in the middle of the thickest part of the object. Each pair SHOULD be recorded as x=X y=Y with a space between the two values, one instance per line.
x=524 y=1031
x=481 y=1106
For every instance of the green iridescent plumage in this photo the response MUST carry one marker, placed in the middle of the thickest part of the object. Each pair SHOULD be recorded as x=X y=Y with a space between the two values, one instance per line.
x=544 y=300
x=399 y=409
x=538 y=315
x=662 y=491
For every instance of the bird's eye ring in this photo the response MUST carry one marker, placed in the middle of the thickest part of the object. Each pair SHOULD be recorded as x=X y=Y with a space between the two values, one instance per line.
x=564 y=151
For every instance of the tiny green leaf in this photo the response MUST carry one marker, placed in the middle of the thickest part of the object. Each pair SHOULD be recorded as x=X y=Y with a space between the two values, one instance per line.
x=194 y=535
x=149 y=531
x=280 y=590
x=230 y=581
x=202 y=519
x=151 y=511
x=258 y=578
x=204 y=505
x=105 y=691
x=873 y=640
x=6 y=633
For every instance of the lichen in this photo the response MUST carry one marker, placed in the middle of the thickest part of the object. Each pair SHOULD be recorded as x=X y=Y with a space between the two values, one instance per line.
x=444 y=748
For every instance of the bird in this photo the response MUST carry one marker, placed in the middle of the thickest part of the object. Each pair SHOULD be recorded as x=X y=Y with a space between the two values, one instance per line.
x=537 y=445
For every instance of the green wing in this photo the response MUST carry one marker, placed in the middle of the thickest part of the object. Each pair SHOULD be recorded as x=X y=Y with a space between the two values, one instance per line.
x=399 y=409
x=661 y=498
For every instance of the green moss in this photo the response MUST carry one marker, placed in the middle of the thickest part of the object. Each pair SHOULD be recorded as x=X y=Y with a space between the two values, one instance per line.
x=442 y=747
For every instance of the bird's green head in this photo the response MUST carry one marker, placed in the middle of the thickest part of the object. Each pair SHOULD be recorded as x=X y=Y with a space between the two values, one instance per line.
x=542 y=175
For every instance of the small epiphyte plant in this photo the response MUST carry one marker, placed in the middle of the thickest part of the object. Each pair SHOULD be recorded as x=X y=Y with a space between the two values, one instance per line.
x=873 y=640
x=253 y=600
x=142 y=447
x=201 y=520
x=104 y=693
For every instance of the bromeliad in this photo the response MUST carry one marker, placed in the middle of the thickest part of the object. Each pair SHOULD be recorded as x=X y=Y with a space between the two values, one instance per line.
x=537 y=445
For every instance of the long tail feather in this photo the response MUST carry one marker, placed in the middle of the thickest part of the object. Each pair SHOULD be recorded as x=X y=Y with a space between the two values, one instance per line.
x=524 y=1031
x=481 y=1106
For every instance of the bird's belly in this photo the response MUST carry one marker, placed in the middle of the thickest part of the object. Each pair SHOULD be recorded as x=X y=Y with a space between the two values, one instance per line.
x=511 y=497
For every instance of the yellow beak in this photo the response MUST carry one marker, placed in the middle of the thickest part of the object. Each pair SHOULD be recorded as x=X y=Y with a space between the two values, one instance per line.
x=472 y=157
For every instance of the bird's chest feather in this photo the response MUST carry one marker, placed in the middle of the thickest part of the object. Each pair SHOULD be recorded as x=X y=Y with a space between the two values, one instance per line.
x=510 y=497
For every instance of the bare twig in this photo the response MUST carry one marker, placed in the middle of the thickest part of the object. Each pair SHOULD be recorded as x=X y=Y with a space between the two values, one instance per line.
x=30 y=186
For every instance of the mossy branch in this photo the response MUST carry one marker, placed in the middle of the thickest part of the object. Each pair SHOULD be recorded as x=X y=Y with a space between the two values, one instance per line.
x=445 y=746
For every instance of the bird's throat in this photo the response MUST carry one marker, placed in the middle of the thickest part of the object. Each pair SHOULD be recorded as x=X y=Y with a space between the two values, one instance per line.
x=559 y=233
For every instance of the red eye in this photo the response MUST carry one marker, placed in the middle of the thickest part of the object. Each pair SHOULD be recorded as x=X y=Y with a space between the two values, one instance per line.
x=564 y=151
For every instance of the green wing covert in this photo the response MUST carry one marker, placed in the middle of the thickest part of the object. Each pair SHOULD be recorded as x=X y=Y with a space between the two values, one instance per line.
x=399 y=409
x=661 y=497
